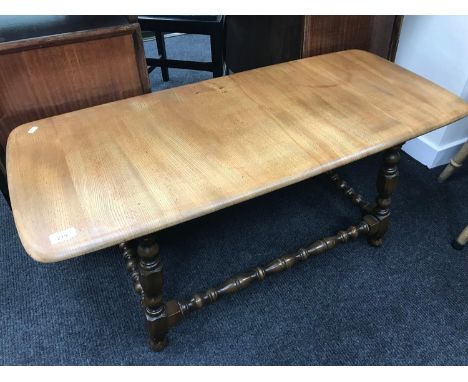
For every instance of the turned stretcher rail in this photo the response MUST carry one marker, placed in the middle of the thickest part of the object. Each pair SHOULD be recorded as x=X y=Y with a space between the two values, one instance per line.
x=355 y=197
x=131 y=259
x=280 y=264
x=180 y=309
x=177 y=310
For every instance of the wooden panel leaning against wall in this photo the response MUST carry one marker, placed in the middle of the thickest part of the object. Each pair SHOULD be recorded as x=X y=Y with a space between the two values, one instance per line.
x=255 y=41
x=56 y=64
x=327 y=34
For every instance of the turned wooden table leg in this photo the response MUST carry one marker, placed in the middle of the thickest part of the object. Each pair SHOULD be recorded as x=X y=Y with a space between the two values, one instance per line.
x=387 y=181
x=151 y=280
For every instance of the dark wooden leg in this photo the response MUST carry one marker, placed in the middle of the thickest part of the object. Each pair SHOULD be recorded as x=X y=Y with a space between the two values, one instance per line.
x=216 y=40
x=387 y=181
x=161 y=44
x=151 y=280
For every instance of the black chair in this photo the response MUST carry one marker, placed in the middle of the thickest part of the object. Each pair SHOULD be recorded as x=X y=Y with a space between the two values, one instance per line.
x=205 y=25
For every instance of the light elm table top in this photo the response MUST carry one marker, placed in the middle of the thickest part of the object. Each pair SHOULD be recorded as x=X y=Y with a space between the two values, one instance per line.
x=96 y=177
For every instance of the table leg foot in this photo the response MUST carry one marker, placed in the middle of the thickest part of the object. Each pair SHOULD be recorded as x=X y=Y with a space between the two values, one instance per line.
x=158 y=346
x=156 y=323
x=375 y=242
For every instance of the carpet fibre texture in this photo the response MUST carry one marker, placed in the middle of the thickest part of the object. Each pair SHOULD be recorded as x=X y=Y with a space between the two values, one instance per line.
x=182 y=47
x=403 y=304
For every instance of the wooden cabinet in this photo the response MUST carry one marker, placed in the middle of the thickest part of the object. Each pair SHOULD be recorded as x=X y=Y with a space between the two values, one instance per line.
x=255 y=41
x=56 y=64
x=326 y=34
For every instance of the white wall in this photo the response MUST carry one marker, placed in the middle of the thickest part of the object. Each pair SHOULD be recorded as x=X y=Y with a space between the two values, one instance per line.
x=436 y=47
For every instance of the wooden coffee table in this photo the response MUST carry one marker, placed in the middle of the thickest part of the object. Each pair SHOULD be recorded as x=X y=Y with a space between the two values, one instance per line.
x=118 y=172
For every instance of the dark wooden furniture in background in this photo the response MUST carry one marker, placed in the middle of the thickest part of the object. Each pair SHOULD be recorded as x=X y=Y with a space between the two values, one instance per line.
x=255 y=41
x=3 y=179
x=55 y=64
x=205 y=25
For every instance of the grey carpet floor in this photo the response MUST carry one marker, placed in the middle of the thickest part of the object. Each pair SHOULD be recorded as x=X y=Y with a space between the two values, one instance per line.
x=403 y=304
x=182 y=47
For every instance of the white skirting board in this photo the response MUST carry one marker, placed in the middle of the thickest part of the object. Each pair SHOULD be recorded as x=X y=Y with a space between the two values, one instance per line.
x=432 y=155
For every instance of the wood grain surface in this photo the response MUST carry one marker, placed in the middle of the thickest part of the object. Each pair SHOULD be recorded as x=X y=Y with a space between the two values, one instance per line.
x=93 y=178
x=376 y=34
x=52 y=75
